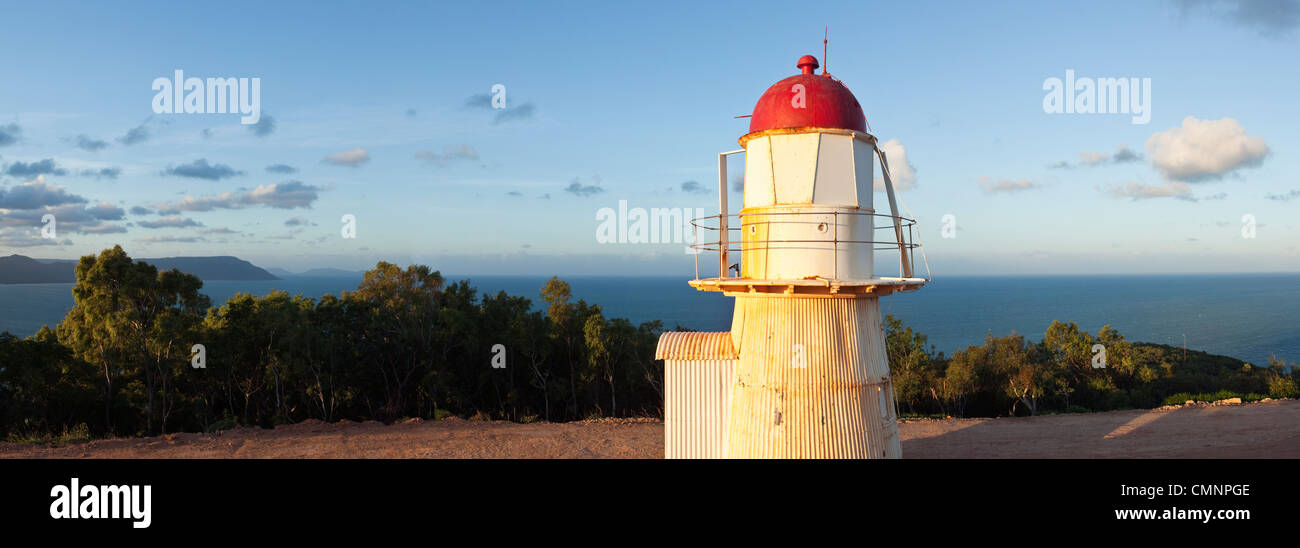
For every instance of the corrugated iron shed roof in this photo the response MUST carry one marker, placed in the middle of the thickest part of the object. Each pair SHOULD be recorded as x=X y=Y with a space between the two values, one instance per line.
x=695 y=345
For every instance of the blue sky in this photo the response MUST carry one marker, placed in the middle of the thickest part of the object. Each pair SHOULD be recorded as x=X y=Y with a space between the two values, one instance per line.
x=636 y=99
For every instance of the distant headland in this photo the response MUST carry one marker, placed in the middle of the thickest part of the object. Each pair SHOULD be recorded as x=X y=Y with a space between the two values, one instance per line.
x=19 y=269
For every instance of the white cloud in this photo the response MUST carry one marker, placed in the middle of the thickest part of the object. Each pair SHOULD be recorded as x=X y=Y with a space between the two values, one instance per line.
x=174 y=221
x=286 y=195
x=169 y=239
x=349 y=158
x=901 y=171
x=1006 y=185
x=448 y=155
x=1204 y=150
x=1138 y=191
x=1123 y=154
x=1093 y=158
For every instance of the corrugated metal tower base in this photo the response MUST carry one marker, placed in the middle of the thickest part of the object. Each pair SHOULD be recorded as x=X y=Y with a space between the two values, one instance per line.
x=812 y=380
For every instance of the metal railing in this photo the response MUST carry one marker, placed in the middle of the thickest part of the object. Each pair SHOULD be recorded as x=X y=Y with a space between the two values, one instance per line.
x=722 y=242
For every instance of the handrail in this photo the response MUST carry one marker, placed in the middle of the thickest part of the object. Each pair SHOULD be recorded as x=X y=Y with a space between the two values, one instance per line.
x=725 y=244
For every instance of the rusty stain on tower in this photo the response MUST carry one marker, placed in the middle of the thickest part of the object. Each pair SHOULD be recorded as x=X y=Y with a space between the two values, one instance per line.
x=803 y=373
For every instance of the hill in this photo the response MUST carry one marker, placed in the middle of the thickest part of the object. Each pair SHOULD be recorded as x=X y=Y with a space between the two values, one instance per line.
x=18 y=269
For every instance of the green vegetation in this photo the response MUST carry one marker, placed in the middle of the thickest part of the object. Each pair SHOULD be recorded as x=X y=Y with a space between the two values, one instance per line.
x=1012 y=376
x=1183 y=397
x=406 y=344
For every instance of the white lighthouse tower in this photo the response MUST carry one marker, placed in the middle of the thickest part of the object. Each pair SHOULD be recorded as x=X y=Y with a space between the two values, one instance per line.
x=803 y=373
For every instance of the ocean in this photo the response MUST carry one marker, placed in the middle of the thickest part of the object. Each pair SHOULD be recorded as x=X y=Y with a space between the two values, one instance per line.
x=1248 y=317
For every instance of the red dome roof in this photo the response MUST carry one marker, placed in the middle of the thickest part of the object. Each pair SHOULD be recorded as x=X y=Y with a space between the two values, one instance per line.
x=823 y=102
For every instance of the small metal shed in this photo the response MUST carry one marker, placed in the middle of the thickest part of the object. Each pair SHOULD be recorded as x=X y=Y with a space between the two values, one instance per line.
x=697 y=387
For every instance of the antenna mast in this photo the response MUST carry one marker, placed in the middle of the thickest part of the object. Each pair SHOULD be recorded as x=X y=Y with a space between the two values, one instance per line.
x=825 y=40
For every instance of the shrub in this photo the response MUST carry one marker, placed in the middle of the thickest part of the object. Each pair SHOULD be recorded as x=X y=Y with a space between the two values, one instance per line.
x=1282 y=387
x=77 y=433
x=226 y=423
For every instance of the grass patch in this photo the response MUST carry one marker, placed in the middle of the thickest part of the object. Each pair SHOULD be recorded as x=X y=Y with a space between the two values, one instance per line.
x=1211 y=397
x=77 y=434
x=922 y=416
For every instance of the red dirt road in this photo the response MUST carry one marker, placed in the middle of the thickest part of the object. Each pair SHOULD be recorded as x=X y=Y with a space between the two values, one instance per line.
x=1269 y=429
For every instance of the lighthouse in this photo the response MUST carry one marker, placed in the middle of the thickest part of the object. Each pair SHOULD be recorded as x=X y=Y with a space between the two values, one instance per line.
x=803 y=372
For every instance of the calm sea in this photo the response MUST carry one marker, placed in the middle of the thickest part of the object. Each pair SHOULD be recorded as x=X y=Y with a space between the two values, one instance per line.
x=1245 y=316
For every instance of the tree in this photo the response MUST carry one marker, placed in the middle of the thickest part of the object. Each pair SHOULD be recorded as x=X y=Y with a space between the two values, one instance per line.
x=238 y=352
x=1069 y=350
x=1027 y=379
x=175 y=313
x=506 y=320
x=129 y=321
x=42 y=387
x=911 y=366
x=951 y=390
x=652 y=370
x=556 y=295
x=403 y=309
x=533 y=341
x=1280 y=382
x=326 y=346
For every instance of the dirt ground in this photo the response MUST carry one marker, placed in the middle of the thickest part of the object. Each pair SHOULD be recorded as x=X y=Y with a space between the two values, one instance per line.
x=1269 y=429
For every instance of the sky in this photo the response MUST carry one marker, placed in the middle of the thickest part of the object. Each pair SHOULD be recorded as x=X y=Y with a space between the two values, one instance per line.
x=383 y=111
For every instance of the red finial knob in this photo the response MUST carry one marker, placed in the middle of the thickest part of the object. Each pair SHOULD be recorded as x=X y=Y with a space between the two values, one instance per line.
x=808 y=64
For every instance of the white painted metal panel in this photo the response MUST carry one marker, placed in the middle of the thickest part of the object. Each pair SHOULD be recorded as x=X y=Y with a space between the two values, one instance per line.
x=836 y=176
x=794 y=166
x=799 y=243
x=860 y=259
x=759 y=189
x=864 y=157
